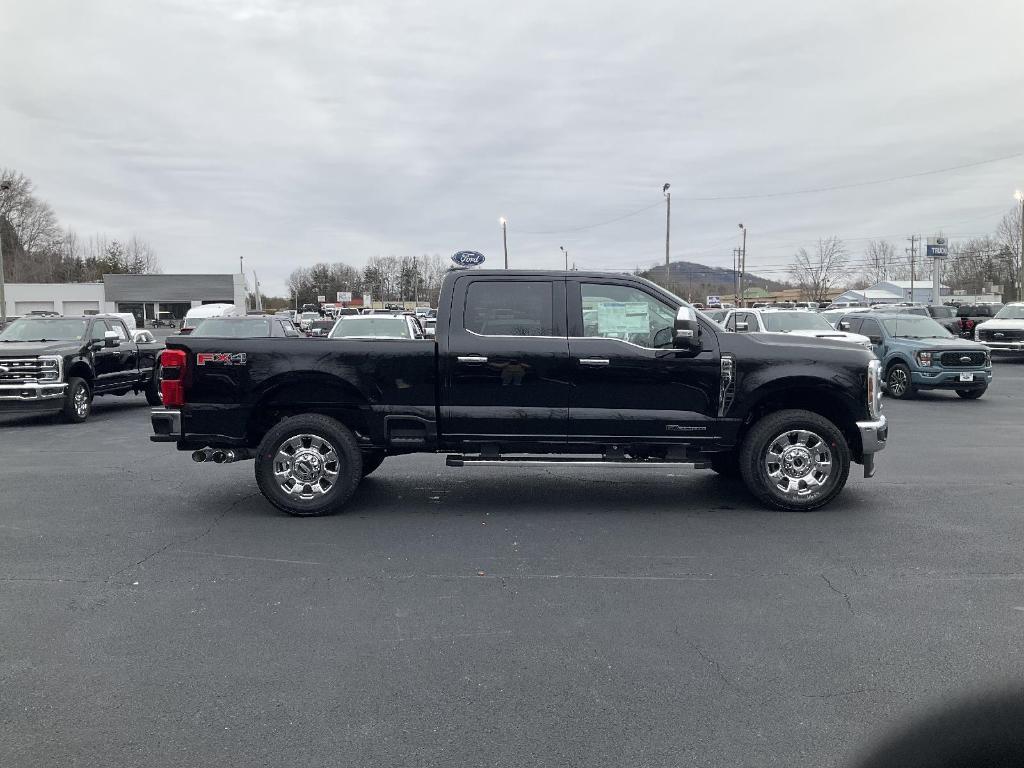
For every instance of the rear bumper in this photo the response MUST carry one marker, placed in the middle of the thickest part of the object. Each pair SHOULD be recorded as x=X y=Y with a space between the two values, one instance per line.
x=166 y=425
x=32 y=398
x=947 y=379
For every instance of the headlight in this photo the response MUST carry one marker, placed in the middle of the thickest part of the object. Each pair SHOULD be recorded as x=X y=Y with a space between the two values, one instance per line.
x=924 y=358
x=977 y=333
x=874 y=392
x=51 y=368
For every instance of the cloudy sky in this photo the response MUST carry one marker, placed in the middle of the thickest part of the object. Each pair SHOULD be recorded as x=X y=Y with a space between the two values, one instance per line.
x=296 y=132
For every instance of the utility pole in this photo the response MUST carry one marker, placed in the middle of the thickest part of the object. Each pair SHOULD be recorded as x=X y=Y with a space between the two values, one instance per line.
x=3 y=298
x=736 y=276
x=913 y=254
x=1018 y=196
x=504 y=237
x=562 y=247
x=668 y=225
x=743 y=262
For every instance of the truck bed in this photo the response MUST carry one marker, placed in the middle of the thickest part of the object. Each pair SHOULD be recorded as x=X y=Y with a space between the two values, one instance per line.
x=391 y=384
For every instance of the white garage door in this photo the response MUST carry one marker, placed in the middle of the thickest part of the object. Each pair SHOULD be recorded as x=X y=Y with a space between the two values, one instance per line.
x=24 y=307
x=79 y=307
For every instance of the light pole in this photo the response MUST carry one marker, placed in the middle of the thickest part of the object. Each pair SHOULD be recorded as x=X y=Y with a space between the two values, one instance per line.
x=1019 y=197
x=504 y=237
x=668 y=224
x=3 y=298
x=743 y=261
x=566 y=257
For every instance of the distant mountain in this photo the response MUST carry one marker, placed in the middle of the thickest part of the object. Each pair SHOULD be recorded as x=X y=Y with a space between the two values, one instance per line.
x=693 y=281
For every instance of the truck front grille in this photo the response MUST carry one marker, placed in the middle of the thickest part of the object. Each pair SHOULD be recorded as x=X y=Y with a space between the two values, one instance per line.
x=21 y=370
x=963 y=359
x=986 y=335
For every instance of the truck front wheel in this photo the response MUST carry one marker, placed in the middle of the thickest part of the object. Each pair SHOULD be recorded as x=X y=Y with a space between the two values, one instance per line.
x=308 y=465
x=77 y=401
x=795 y=460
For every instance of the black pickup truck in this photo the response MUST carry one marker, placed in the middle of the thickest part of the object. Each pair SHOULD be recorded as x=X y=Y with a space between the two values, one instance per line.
x=58 y=364
x=531 y=367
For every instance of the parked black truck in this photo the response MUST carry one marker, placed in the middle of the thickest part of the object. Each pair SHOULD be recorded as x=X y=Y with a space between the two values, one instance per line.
x=59 y=364
x=527 y=368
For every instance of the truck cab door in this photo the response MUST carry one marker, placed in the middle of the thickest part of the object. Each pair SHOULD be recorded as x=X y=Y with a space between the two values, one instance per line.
x=505 y=361
x=629 y=382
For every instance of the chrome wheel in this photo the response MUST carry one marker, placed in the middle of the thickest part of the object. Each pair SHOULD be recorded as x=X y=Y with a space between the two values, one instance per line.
x=80 y=402
x=306 y=467
x=899 y=381
x=798 y=462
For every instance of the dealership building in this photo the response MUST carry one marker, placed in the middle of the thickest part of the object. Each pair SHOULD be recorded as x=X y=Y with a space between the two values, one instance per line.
x=145 y=296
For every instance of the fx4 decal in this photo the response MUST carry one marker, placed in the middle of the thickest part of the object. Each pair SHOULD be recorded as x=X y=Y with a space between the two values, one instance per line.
x=222 y=358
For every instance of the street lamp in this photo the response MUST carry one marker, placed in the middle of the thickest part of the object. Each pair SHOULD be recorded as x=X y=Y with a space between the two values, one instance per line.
x=4 y=186
x=562 y=247
x=668 y=223
x=743 y=261
x=1019 y=197
x=504 y=237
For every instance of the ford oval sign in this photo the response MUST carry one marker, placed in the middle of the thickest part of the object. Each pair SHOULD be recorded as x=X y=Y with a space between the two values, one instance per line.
x=468 y=258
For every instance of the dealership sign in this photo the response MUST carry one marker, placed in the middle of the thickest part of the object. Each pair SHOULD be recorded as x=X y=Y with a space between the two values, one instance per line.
x=468 y=258
x=344 y=296
x=938 y=246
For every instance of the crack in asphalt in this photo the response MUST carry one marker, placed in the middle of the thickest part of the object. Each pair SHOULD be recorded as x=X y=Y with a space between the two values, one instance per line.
x=845 y=596
x=213 y=524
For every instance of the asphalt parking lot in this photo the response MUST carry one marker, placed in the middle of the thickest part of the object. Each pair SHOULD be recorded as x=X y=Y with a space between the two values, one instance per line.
x=160 y=612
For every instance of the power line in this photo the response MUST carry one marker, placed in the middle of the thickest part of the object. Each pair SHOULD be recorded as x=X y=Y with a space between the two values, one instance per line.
x=856 y=184
x=587 y=226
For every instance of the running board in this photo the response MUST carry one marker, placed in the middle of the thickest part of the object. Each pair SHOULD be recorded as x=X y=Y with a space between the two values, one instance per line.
x=458 y=460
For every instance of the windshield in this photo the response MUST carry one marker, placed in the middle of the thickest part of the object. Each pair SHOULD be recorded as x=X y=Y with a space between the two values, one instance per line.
x=914 y=327
x=44 y=329
x=1011 y=312
x=943 y=312
x=783 y=322
x=232 y=329
x=371 y=327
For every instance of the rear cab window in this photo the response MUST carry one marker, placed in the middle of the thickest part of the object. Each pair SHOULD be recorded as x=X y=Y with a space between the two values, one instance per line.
x=509 y=308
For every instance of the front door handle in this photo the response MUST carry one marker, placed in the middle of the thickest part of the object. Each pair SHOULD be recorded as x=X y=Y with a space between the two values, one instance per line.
x=594 y=361
x=471 y=359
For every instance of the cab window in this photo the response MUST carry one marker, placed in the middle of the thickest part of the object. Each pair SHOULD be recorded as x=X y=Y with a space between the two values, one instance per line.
x=870 y=328
x=626 y=313
x=509 y=308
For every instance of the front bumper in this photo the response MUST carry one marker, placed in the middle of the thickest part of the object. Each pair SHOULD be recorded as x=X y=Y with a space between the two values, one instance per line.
x=32 y=397
x=1005 y=346
x=950 y=379
x=873 y=436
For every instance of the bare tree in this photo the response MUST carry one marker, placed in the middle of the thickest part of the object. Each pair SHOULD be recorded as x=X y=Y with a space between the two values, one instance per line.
x=880 y=262
x=818 y=274
x=1008 y=237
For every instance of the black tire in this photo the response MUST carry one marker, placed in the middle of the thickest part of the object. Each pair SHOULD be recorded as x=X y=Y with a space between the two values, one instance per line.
x=726 y=464
x=898 y=382
x=972 y=394
x=818 y=487
x=77 y=401
x=153 y=396
x=340 y=467
x=371 y=461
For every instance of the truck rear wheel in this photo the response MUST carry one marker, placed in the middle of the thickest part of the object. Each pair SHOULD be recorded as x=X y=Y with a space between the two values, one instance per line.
x=308 y=465
x=795 y=460
x=153 y=396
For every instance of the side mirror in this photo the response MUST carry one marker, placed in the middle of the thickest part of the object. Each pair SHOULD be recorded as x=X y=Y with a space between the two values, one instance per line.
x=111 y=339
x=686 y=330
x=844 y=326
x=875 y=339
x=742 y=327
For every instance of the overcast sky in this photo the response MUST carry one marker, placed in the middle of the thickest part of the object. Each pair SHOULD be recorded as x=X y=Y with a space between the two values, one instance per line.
x=296 y=132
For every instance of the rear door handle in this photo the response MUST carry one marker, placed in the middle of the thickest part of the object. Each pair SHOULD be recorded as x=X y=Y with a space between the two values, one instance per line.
x=594 y=361
x=471 y=359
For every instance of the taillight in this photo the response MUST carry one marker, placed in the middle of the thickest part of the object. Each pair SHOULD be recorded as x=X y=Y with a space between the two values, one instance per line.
x=172 y=377
x=970 y=324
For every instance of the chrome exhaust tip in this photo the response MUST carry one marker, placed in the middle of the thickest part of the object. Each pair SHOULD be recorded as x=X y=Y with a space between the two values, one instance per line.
x=199 y=456
x=219 y=457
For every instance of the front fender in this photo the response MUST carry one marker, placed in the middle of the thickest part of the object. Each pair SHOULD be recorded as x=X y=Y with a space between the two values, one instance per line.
x=819 y=389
